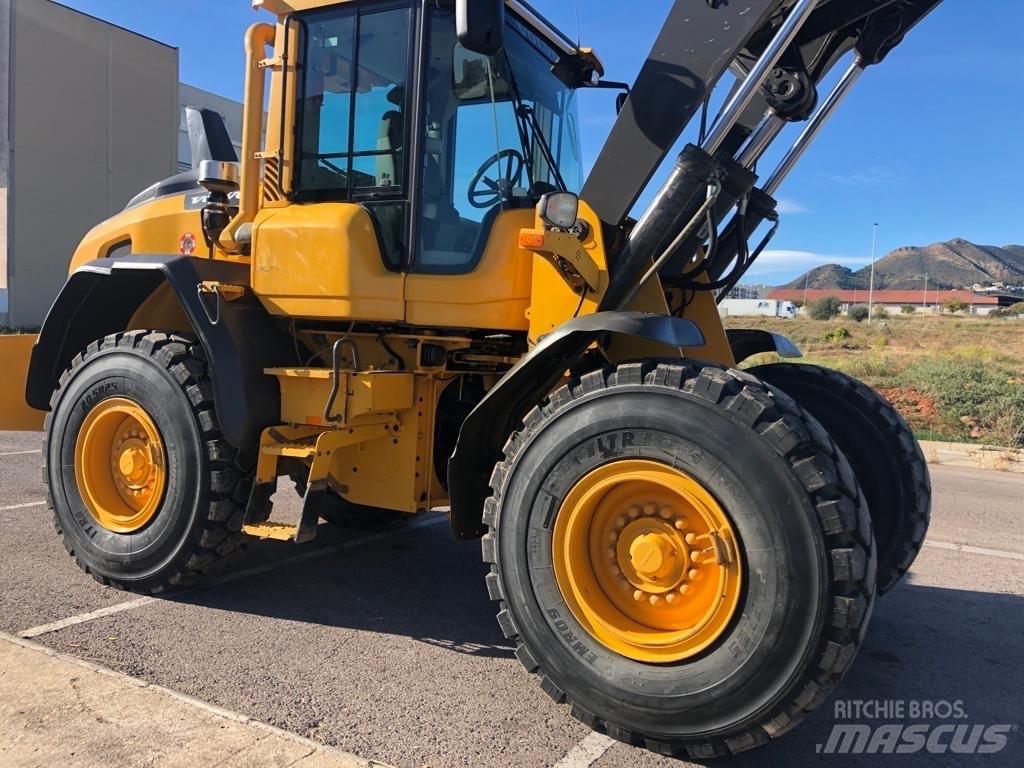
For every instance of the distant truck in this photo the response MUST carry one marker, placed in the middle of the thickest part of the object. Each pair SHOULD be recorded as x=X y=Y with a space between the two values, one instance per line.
x=757 y=308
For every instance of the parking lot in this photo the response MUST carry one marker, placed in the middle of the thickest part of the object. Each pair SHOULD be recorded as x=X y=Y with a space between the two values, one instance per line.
x=385 y=645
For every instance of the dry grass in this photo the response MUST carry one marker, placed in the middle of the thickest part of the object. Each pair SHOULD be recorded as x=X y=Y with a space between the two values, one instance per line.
x=954 y=378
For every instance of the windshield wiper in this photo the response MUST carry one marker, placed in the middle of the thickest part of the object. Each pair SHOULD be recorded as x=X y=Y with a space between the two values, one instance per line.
x=526 y=120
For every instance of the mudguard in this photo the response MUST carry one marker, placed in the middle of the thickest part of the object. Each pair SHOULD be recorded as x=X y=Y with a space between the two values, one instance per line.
x=101 y=297
x=746 y=343
x=487 y=428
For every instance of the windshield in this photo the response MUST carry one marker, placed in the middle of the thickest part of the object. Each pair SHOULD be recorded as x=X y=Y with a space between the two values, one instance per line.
x=500 y=132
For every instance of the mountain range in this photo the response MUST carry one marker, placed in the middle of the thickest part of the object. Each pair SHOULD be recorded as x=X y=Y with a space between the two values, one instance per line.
x=955 y=264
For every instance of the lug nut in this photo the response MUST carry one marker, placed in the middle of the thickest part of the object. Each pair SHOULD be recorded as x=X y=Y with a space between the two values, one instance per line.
x=620 y=521
x=666 y=513
x=671 y=598
x=681 y=524
x=610 y=553
x=694 y=574
x=634 y=512
x=650 y=509
x=654 y=600
x=691 y=537
x=683 y=589
x=638 y=595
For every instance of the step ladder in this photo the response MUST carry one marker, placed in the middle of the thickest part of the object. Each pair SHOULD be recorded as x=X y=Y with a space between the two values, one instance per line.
x=308 y=444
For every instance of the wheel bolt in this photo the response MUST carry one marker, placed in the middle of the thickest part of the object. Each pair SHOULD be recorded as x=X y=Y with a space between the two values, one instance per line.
x=612 y=537
x=691 y=537
x=620 y=522
x=671 y=598
x=683 y=589
x=694 y=574
x=634 y=512
x=650 y=509
x=638 y=595
x=610 y=553
x=654 y=600
x=681 y=524
x=666 y=513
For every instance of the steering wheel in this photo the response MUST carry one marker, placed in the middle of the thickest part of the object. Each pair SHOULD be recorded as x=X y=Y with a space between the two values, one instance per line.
x=487 y=192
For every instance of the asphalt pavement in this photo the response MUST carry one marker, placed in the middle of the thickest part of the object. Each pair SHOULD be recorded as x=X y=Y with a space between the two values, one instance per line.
x=385 y=645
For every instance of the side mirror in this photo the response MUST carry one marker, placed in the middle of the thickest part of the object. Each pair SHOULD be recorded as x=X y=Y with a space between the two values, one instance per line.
x=480 y=25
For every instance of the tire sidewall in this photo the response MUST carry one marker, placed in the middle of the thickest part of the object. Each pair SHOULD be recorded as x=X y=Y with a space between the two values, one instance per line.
x=782 y=608
x=138 y=556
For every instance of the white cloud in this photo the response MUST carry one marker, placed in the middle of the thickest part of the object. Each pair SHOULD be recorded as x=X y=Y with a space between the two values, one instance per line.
x=780 y=266
x=790 y=207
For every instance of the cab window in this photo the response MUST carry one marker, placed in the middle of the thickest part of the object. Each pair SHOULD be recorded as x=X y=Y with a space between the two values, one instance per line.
x=353 y=114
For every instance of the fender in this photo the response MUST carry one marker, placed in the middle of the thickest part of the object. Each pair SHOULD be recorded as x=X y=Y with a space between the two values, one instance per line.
x=746 y=343
x=101 y=297
x=495 y=417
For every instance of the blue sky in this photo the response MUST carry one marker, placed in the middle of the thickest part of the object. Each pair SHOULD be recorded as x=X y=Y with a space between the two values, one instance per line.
x=928 y=145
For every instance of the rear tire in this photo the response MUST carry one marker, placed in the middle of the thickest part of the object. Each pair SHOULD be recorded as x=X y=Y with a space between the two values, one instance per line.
x=804 y=534
x=882 y=450
x=197 y=527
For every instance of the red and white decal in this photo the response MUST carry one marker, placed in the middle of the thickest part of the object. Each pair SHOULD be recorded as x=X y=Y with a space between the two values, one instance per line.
x=188 y=244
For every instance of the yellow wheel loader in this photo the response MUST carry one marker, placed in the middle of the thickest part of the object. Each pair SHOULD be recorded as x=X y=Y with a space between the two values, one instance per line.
x=407 y=295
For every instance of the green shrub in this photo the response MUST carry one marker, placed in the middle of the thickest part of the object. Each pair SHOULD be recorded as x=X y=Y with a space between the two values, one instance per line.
x=837 y=336
x=908 y=309
x=1016 y=309
x=880 y=313
x=982 y=400
x=858 y=312
x=825 y=309
x=953 y=306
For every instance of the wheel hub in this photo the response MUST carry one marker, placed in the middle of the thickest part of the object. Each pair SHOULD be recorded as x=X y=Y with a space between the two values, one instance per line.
x=120 y=465
x=647 y=561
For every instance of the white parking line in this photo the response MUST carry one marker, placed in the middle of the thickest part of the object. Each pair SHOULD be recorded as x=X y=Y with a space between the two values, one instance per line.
x=131 y=605
x=81 y=618
x=1003 y=553
x=24 y=506
x=587 y=752
x=21 y=453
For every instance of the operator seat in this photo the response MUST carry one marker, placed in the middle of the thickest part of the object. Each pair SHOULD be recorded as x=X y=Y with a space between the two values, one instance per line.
x=391 y=141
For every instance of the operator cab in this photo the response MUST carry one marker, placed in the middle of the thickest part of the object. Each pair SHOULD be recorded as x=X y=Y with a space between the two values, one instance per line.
x=485 y=133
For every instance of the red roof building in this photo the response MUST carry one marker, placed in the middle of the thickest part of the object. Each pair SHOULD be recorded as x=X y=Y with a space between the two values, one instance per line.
x=887 y=298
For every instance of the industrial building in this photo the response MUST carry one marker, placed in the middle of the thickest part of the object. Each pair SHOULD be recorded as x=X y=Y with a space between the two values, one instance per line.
x=923 y=302
x=90 y=115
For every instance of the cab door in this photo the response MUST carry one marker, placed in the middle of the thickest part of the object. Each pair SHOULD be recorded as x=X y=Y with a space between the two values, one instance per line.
x=338 y=248
x=467 y=270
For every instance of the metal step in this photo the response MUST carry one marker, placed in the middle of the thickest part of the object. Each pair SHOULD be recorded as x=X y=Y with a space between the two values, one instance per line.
x=291 y=450
x=270 y=530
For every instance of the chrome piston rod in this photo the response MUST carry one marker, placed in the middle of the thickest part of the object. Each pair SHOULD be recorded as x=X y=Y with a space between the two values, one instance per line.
x=763 y=137
x=814 y=126
x=741 y=99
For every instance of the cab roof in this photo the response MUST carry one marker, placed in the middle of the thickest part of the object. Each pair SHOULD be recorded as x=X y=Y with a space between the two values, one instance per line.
x=522 y=9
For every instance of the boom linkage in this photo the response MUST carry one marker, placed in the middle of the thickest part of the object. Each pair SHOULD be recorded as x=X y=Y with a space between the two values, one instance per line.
x=779 y=52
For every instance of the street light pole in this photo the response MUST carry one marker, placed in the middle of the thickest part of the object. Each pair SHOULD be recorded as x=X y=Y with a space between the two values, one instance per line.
x=871 y=288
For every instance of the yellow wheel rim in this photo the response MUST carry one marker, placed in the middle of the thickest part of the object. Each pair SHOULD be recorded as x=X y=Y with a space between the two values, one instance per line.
x=120 y=465
x=647 y=561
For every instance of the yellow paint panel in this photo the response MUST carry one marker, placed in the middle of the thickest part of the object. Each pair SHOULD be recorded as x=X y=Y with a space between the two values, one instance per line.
x=323 y=261
x=15 y=413
x=494 y=296
x=553 y=302
x=155 y=227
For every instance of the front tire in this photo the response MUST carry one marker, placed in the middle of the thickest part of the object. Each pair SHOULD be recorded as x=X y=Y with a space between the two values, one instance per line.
x=133 y=429
x=882 y=449
x=803 y=539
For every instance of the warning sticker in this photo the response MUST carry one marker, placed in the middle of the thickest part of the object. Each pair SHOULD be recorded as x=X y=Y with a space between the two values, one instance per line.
x=188 y=244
